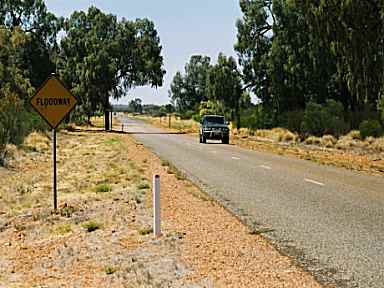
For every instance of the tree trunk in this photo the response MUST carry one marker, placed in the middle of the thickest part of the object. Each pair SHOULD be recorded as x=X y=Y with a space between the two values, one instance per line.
x=106 y=120
x=106 y=114
x=237 y=112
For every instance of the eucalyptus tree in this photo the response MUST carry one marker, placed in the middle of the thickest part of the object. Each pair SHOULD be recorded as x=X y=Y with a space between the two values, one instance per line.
x=102 y=57
x=253 y=46
x=189 y=90
x=353 y=33
x=224 y=85
x=41 y=27
x=178 y=94
x=14 y=88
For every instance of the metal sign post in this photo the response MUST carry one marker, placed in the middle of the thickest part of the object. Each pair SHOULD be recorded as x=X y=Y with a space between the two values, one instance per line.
x=54 y=172
x=53 y=102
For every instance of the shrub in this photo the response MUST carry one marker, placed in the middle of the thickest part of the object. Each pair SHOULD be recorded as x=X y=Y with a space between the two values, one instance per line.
x=15 y=123
x=145 y=231
x=370 y=128
x=103 y=188
x=257 y=118
x=186 y=115
x=328 y=141
x=312 y=140
x=91 y=226
x=354 y=134
x=378 y=144
x=110 y=270
x=320 y=119
x=292 y=120
x=143 y=185
x=197 y=118
x=37 y=141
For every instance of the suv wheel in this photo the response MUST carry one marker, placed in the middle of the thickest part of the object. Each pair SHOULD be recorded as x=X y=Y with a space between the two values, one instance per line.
x=203 y=139
x=225 y=140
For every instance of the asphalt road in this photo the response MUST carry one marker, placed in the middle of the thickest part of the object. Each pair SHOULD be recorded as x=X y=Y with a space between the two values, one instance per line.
x=330 y=219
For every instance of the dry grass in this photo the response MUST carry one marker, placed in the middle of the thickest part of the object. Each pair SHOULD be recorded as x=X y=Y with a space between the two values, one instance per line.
x=277 y=135
x=98 y=122
x=84 y=170
x=178 y=125
x=62 y=229
x=354 y=134
x=328 y=141
x=312 y=140
x=37 y=141
x=378 y=144
x=352 y=142
x=274 y=135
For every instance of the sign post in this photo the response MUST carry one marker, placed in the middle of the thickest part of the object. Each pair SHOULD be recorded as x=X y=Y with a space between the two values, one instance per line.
x=53 y=102
x=54 y=173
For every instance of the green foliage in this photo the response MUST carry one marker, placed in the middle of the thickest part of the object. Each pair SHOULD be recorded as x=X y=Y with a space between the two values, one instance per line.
x=135 y=106
x=143 y=185
x=254 y=44
x=15 y=120
x=67 y=211
x=355 y=45
x=321 y=119
x=110 y=270
x=91 y=226
x=102 y=57
x=186 y=115
x=257 y=118
x=370 y=128
x=295 y=52
x=380 y=107
x=291 y=120
x=210 y=108
x=145 y=231
x=197 y=118
x=112 y=141
x=224 y=85
x=188 y=90
x=39 y=52
x=103 y=188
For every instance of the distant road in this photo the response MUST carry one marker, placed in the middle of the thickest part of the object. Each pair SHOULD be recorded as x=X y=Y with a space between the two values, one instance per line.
x=330 y=219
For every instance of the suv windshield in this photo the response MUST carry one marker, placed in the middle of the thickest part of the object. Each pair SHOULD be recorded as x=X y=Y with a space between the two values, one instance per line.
x=214 y=120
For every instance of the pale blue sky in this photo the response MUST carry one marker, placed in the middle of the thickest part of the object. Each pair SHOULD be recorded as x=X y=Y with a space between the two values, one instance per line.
x=185 y=27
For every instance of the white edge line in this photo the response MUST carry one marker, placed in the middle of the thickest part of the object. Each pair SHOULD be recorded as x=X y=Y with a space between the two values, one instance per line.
x=235 y=158
x=314 y=182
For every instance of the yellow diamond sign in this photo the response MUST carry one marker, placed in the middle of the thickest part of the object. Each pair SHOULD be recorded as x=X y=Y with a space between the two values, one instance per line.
x=53 y=101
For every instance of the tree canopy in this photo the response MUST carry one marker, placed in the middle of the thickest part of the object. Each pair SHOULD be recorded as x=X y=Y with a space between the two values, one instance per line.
x=102 y=57
x=189 y=90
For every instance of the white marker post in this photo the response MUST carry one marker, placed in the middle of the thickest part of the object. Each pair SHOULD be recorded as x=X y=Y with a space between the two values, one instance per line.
x=156 y=206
